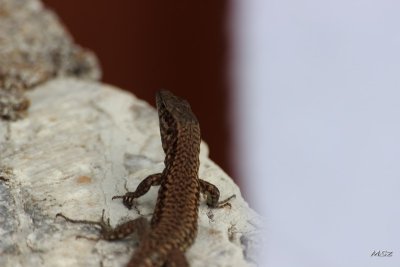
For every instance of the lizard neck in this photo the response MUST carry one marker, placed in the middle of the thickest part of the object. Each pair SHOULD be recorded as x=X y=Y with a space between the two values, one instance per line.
x=183 y=154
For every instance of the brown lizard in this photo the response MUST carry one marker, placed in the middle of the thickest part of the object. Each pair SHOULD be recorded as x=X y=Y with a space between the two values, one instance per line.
x=173 y=226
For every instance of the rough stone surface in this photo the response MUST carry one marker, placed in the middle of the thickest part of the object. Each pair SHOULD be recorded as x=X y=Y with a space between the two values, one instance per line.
x=35 y=47
x=82 y=143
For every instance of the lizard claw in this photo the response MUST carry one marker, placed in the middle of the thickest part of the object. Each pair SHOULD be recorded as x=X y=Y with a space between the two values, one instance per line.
x=225 y=203
x=127 y=199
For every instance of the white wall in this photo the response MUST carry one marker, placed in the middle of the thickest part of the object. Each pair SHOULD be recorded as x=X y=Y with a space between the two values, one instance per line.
x=317 y=100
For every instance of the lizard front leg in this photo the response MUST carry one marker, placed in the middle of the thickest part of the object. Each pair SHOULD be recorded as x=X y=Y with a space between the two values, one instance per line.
x=212 y=195
x=143 y=188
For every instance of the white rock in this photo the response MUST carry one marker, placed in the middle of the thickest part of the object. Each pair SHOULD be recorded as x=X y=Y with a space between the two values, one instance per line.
x=79 y=146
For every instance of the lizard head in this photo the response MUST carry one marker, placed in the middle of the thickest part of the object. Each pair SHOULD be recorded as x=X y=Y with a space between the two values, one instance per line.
x=175 y=114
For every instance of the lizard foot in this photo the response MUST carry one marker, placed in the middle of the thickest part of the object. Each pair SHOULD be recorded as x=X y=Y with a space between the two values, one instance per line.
x=127 y=199
x=104 y=225
x=225 y=203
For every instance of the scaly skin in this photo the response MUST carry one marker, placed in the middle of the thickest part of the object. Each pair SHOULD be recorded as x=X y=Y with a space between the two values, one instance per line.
x=173 y=226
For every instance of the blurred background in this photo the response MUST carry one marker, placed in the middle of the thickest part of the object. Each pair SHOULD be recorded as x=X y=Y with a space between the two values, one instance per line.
x=144 y=46
x=298 y=100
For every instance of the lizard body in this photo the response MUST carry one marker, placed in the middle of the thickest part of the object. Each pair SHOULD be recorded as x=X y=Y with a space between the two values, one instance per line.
x=173 y=227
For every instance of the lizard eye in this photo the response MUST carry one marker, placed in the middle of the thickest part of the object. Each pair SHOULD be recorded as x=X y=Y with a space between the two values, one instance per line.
x=170 y=131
